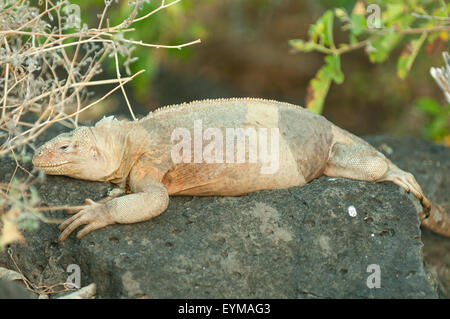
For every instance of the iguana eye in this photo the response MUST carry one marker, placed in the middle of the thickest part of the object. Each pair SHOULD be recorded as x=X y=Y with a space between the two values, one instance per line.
x=63 y=147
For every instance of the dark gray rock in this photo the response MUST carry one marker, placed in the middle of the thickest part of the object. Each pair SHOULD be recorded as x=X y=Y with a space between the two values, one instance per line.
x=292 y=243
x=12 y=290
x=430 y=164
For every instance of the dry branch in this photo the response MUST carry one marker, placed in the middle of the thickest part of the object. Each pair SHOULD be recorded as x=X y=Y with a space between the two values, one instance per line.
x=48 y=63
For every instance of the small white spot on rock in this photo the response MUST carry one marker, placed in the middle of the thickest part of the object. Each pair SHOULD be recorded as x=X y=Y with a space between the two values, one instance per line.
x=352 y=211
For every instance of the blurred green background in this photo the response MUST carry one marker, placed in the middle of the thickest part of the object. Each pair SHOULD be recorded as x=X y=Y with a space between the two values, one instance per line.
x=245 y=52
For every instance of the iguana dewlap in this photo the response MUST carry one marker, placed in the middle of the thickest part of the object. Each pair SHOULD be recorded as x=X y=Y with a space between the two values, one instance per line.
x=142 y=156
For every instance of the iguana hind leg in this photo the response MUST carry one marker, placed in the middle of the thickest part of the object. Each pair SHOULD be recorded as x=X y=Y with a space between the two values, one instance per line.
x=362 y=162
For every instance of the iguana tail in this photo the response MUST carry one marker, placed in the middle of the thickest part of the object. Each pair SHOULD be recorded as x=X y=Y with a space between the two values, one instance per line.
x=438 y=220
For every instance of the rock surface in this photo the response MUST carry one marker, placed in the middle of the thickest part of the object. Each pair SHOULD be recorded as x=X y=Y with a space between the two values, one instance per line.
x=291 y=243
x=430 y=164
x=12 y=290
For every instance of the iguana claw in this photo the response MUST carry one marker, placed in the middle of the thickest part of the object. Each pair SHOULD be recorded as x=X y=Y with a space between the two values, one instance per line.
x=95 y=216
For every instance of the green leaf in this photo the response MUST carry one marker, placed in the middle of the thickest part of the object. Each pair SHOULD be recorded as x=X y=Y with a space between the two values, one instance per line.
x=340 y=13
x=319 y=86
x=392 y=11
x=436 y=129
x=322 y=30
x=429 y=105
x=438 y=126
x=317 y=91
x=333 y=68
x=382 y=46
x=408 y=55
x=358 y=24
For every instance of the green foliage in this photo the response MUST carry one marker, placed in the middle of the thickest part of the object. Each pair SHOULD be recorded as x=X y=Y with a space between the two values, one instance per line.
x=379 y=31
x=319 y=86
x=408 y=55
x=438 y=128
x=357 y=24
x=382 y=46
x=167 y=27
x=322 y=31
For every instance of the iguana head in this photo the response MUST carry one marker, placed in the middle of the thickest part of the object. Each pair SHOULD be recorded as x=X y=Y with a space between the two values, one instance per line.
x=81 y=154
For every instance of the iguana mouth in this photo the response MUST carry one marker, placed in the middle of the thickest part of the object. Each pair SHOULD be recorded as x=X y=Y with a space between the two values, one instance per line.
x=51 y=165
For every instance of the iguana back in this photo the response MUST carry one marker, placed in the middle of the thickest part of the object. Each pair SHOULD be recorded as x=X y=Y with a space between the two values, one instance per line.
x=215 y=147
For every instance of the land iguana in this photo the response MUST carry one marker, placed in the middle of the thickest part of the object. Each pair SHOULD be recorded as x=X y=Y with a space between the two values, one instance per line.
x=139 y=156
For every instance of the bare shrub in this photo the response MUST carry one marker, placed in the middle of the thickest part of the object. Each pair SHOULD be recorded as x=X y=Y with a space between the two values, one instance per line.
x=48 y=61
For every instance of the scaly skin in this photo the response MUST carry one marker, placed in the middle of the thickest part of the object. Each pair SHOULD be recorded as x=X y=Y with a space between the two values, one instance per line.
x=137 y=155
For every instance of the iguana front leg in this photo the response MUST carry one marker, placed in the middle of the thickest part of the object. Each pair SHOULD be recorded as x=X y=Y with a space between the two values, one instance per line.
x=150 y=199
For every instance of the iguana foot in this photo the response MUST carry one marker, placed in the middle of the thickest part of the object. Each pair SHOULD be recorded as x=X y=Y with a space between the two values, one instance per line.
x=433 y=216
x=409 y=184
x=95 y=216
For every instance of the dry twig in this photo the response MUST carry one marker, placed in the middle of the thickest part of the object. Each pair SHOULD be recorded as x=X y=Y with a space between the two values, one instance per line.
x=48 y=63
